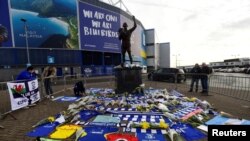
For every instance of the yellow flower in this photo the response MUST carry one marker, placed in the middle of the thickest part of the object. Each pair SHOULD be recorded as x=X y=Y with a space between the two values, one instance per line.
x=144 y=125
x=163 y=125
x=51 y=119
x=193 y=99
x=83 y=134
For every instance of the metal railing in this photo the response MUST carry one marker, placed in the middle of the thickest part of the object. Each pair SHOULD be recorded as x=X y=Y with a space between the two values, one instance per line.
x=233 y=86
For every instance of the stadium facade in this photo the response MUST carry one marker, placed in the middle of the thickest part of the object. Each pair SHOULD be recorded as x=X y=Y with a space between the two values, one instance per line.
x=73 y=35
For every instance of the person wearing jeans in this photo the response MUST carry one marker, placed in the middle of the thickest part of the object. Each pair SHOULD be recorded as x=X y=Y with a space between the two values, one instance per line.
x=195 y=77
x=204 y=78
x=48 y=73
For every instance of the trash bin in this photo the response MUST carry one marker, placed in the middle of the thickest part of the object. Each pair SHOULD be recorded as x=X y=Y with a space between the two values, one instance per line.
x=127 y=79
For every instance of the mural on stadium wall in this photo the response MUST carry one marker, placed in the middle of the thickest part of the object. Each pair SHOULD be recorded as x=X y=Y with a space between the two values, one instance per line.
x=50 y=23
x=98 y=28
x=5 y=30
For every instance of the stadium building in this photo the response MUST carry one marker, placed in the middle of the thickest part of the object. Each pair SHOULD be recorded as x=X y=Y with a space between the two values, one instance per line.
x=73 y=35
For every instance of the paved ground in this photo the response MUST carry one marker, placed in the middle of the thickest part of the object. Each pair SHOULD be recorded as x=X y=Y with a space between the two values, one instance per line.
x=15 y=129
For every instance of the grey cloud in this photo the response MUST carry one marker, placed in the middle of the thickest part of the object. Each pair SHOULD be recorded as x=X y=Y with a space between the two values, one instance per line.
x=190 y=17
x=218 y=35
x=229 y=29
x=245 y=23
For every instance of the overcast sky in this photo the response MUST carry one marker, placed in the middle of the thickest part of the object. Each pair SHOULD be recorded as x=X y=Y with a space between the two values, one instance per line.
x=198 y=30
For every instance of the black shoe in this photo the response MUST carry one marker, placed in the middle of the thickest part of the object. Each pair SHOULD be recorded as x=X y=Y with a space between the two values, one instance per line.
x=196 y=90
x=190 y=91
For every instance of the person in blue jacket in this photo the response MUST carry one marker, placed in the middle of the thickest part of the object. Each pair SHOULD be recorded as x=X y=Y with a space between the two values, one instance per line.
x=27 y=74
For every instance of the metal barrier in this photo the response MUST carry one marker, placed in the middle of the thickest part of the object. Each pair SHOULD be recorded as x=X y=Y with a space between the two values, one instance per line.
x=57 y=85
x=5 y=106
x=232 y=86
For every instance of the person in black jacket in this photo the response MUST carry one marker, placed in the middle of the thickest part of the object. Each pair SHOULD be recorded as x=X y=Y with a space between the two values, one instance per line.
x=204 y=77
x=195 y=77
x=124 y=35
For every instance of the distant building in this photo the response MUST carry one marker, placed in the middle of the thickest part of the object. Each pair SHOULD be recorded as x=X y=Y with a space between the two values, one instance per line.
x=158 y=54
x=230 y=63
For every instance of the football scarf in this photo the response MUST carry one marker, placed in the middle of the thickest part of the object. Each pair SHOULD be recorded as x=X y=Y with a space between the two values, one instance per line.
x=187 y=112
x=137 y=118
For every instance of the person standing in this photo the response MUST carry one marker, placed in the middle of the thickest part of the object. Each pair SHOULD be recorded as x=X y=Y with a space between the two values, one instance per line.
x=48 y=73
x=124 y=35
x=3 y=34
x=195 y=77
x=204 y=78
x=28 y=74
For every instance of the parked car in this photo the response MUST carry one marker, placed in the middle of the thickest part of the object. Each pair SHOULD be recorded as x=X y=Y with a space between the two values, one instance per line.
x=167 y=74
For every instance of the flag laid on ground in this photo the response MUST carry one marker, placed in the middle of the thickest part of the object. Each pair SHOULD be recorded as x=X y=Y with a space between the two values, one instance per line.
x=150 y=137
x=43 y=130
x=64 y=131
x=220 y=120
x=188 y=132
x=97 y=133
x=66 y=98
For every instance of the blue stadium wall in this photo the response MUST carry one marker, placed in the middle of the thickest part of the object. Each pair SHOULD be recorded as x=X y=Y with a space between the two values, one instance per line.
x=66 y=33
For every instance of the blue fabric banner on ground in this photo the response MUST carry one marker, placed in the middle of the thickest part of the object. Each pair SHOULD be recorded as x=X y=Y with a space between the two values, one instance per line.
x=85 y=115
x=43 y=130
x=151 y=137
x=220 y=120
x=97 y=133
x=66 y=99
x=188 y=132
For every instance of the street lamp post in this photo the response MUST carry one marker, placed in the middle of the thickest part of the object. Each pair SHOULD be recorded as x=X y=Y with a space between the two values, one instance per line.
x=26 y=40
x=176 y=60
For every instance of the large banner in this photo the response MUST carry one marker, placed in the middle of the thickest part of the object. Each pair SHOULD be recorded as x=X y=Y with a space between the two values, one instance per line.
x=23 y=94
x=98 y=28
x=5 y=29
x=50 y=23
